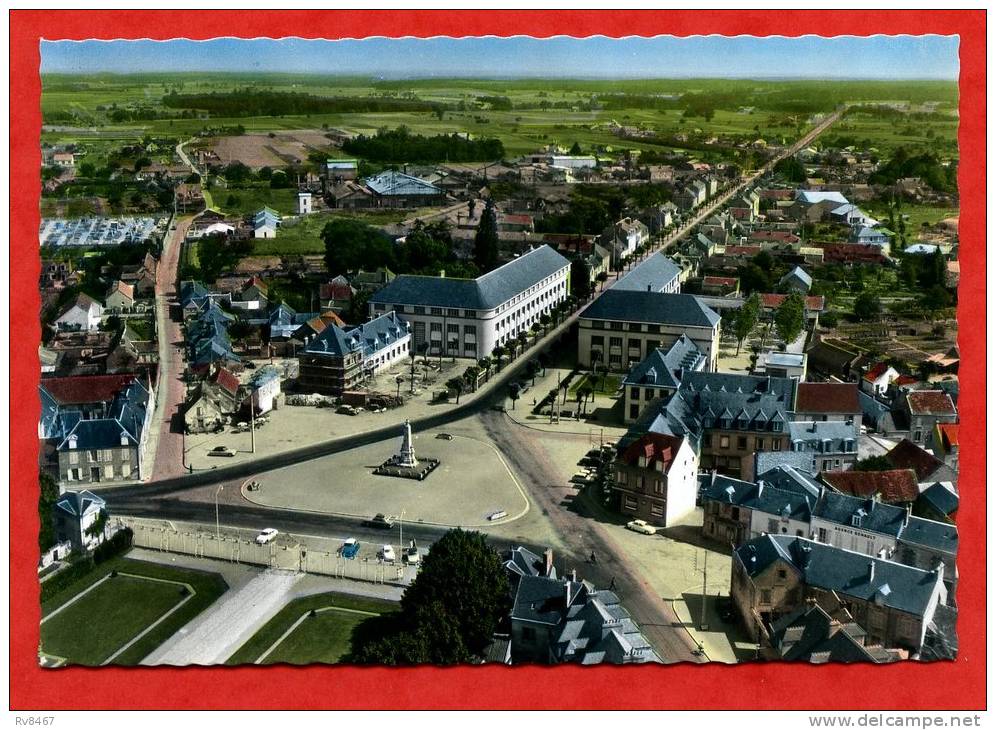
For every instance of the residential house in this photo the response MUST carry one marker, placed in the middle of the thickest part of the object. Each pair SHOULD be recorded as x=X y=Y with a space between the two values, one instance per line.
x=213 y=402
x=624 y=237
x=944 y=443
x=336 y=360
x=877 y=379
x=655 y=477
x=796 y=280
x=94 y=428
x=337 y=294
x=720 y=286
x=393 y=189
x=926 y=409
x=76 y=517
x=264 y=390
x=477 y=314
x=658 y=375
x=555 y=621
x=782 y=364
x=265 y=223
x=620 y=328
x=865 y=236
x=813 y=306
x=774 y=575
x=251 y=297
x=938 y=502
x=120 y=297
x=371 y=281
x=811 y=634
x=81 y=314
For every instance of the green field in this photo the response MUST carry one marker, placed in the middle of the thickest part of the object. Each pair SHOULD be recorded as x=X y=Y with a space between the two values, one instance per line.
x=248 y=200
x=543 y=111
x=323 y=638
x=607 y=385
x=916 y=215
x=92 y=629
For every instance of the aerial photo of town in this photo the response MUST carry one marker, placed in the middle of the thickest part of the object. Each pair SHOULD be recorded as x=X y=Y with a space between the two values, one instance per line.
x=499 y=350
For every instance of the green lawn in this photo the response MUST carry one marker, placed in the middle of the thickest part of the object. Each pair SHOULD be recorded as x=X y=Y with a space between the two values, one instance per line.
x=323 y=638
x=105 y=619
x=245 y=201
x=303 y=235
x=607 y=385
x=91 y=630
x=917 y=215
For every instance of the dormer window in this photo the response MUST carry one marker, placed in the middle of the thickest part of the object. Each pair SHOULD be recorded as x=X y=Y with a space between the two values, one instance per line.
x=856 y=521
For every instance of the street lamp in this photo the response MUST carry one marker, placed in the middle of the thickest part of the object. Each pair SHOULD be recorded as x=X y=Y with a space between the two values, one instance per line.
x=217 y=522
x=401 y=530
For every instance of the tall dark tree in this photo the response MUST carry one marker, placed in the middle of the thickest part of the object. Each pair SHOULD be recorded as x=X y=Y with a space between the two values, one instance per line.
x=746 y=319
x=486 y=240
x=449 y=613
x=581 y=284
x=790 y=318
x=46 y=501
x=352 y=245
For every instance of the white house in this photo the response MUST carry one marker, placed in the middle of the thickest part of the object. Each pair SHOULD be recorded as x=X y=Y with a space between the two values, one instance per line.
x=304 y=203
x=265 y=223
x=82 y=314
x=878 y=378
x=74 y=514
x=626 y=236
x=656 y=477
x=478 y=314
x=265 y=385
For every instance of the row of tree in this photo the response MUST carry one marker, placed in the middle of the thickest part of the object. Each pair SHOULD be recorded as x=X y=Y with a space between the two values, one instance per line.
x=400 y=145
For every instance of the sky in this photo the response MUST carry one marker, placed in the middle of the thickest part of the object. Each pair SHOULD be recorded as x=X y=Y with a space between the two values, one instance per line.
x=875 y=57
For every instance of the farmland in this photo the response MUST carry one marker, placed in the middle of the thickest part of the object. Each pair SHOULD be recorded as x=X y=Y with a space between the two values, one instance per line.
x=524 y=114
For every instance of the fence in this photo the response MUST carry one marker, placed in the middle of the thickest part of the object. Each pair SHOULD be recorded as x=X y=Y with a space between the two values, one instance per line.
x=294 y=557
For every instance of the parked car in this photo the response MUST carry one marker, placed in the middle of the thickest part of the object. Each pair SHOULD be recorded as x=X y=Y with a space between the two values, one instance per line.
x=642 y=527
x=386 y=554
x=411 y=555
x=221 y=451
x=497 y=515
x=445 y=436
x=349 y=548
x=267 y=535
x=381 y=520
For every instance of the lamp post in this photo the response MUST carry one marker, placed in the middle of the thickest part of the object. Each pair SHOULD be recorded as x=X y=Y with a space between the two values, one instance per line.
x=217 y=521
x=401 y=530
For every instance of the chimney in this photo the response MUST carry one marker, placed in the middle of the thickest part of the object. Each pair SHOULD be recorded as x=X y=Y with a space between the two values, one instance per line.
x=548 y=563
x=760 y=487
x=871 y=571
x=648 y=288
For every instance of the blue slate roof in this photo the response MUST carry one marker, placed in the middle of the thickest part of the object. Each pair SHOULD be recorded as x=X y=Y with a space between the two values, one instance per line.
x=939 y=536
x=810 y=197
x=266 y=217
x=770 y=500
x=884 y=519
x=662 y=368
x=765 y=461
x=392 y=182
x=810 y=436
x=809 y=634
x=791 y=478
x=654 y=273
x=369 y=338
x=77 y=504
x=941 y=498
x=651 y=307
x=799 y=275
x=125 y=418
x=898 y=586
x=483 y=293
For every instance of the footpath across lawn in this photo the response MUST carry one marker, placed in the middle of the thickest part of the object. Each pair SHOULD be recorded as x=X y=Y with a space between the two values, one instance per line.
x=100 y=623
x=323 y=638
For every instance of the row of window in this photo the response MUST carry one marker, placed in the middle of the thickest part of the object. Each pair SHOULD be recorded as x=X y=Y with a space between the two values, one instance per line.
x=760 y=444
x=630 y=504
x=97 y=456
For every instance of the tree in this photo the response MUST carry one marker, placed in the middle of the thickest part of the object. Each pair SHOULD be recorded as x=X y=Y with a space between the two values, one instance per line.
x=485 y=364
x=545 y=321
x=49 y=489
x=351 y=245
x=486 y=240
x=790 y=318
x=399 y=380
x=450 y=611
x=457 y=384
x=873 y=463
x=513 y=393
x=575 y=149
x=603 y=276
x=584 y=393
x=934 y=300
x=867 y=306
x=746 y=319
x=497 y=354
x=580 y=276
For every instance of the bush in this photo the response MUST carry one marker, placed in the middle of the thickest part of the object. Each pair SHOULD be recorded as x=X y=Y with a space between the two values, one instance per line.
x=119 y=543
x=66 y=577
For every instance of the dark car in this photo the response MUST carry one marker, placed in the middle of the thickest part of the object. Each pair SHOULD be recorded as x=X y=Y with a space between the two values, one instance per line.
x=383 y=521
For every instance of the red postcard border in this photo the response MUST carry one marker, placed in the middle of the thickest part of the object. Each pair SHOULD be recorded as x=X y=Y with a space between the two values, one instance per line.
x=907 y=686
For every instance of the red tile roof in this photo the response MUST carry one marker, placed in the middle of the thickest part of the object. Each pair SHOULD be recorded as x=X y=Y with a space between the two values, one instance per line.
x=876 y=371
x=853 y=252
x=655 y=447
x=907 y=455
x=780 y=236
x=742 y=250
x=775 y=194
x=81 y=389
x=773 y=301
x=226 y=380
x=949 y=433
x=907 y=380
x=893 y=486
x=827 y=398
x=930 y=403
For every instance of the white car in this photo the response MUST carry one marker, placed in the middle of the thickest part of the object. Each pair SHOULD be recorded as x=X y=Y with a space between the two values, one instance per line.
x=642 y=527
x=267 y=535
x=497 y=515
x=386 y=554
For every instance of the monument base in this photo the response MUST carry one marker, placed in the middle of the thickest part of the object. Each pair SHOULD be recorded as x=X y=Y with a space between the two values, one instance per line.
x=420 y=471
